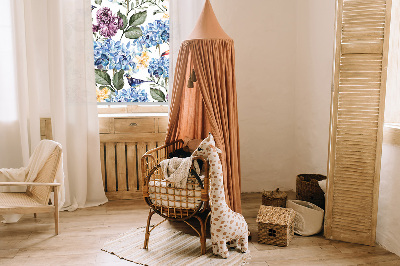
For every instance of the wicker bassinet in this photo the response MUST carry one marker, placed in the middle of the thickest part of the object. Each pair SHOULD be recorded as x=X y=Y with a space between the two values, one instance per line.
x=170 y=202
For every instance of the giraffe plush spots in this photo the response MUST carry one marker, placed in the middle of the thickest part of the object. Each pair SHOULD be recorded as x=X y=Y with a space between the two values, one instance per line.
x=226 y=225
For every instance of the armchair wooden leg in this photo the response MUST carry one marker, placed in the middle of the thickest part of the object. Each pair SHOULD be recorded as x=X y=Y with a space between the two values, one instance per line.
x=147 y=235
x=34 y=215
x=56 y=212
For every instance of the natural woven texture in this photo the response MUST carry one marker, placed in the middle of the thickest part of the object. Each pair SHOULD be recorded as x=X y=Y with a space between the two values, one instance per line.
x=35 y=195
x=167 y=247
x=275 y=225
x=46 y=175
x=308 y=189
x=274 y=198
x=278 y=235
x=163 y=196
x=275 y=215
x=163 y=193
x=17 y=199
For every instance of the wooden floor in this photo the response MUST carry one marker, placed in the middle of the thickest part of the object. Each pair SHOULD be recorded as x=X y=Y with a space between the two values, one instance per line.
x=83 y=232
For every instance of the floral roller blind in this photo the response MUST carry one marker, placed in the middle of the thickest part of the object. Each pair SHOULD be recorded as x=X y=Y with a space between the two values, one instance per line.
x=131 y=50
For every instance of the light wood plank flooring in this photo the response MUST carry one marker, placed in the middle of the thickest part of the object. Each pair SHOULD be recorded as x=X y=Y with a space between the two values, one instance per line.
x=83 y=232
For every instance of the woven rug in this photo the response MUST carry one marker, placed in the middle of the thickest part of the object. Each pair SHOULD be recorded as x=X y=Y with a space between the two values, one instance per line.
x=168 y=247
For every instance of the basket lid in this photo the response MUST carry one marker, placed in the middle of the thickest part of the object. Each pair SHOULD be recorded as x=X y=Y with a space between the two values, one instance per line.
x=275 y=215
x=275 y=194
x=311 y=177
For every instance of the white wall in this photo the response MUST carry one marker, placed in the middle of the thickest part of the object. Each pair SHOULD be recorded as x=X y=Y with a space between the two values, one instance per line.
x=284 y=52
x=265 y=34
x=314 y=60
x=388 y=227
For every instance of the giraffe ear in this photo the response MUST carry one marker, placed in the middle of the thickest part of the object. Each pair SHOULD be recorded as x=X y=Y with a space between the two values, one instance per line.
x=216 y=149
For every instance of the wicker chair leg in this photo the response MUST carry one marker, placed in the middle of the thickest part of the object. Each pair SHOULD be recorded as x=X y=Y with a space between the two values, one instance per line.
x=203 y=237
x=203 y=232
x=147 y=235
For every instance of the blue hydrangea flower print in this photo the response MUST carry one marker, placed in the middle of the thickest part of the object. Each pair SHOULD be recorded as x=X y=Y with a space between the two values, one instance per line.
x=130 y=95
x=102 y=61
x=153 y=34
x=114 y=55
x=159 y=67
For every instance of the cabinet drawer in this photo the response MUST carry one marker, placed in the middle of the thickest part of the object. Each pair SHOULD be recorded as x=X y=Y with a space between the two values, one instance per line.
x=134 y=125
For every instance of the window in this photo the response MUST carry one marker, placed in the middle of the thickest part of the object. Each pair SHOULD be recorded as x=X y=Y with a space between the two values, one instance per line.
x=391 y=130
x=392 y=108
x=131 y=50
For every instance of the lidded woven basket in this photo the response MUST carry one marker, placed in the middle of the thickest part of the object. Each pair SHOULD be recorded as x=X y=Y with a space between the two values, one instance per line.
x=274 y=198
x=308 y=189
x=275 y=225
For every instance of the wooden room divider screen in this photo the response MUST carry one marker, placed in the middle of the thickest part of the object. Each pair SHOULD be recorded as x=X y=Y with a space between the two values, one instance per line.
x=358 y=97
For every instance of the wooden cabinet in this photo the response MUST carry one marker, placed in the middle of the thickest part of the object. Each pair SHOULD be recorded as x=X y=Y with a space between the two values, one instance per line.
x=123 y=141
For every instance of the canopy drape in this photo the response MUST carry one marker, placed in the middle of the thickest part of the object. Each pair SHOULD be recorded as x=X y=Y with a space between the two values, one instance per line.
x=210 y=106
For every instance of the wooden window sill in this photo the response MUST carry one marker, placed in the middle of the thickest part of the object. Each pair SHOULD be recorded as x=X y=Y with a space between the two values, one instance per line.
x=131 y=109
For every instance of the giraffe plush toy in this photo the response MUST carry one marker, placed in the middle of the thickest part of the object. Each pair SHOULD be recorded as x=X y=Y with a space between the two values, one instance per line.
x=226 y=225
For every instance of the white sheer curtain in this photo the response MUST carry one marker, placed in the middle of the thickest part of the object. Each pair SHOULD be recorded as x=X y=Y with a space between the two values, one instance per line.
x=55 y=78
x=184 y=15
x=10 y=147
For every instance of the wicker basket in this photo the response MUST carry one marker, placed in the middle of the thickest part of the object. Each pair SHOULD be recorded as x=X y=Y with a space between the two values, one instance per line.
x=274 y=198
x=308 y=189
x=275 y=225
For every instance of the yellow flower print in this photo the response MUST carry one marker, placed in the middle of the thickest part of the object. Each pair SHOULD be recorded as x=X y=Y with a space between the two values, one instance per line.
x=166 y=15
x=143 y=61
x=102 y=94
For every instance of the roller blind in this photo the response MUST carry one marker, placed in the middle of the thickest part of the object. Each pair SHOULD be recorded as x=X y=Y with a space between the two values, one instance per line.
x=358 y=97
